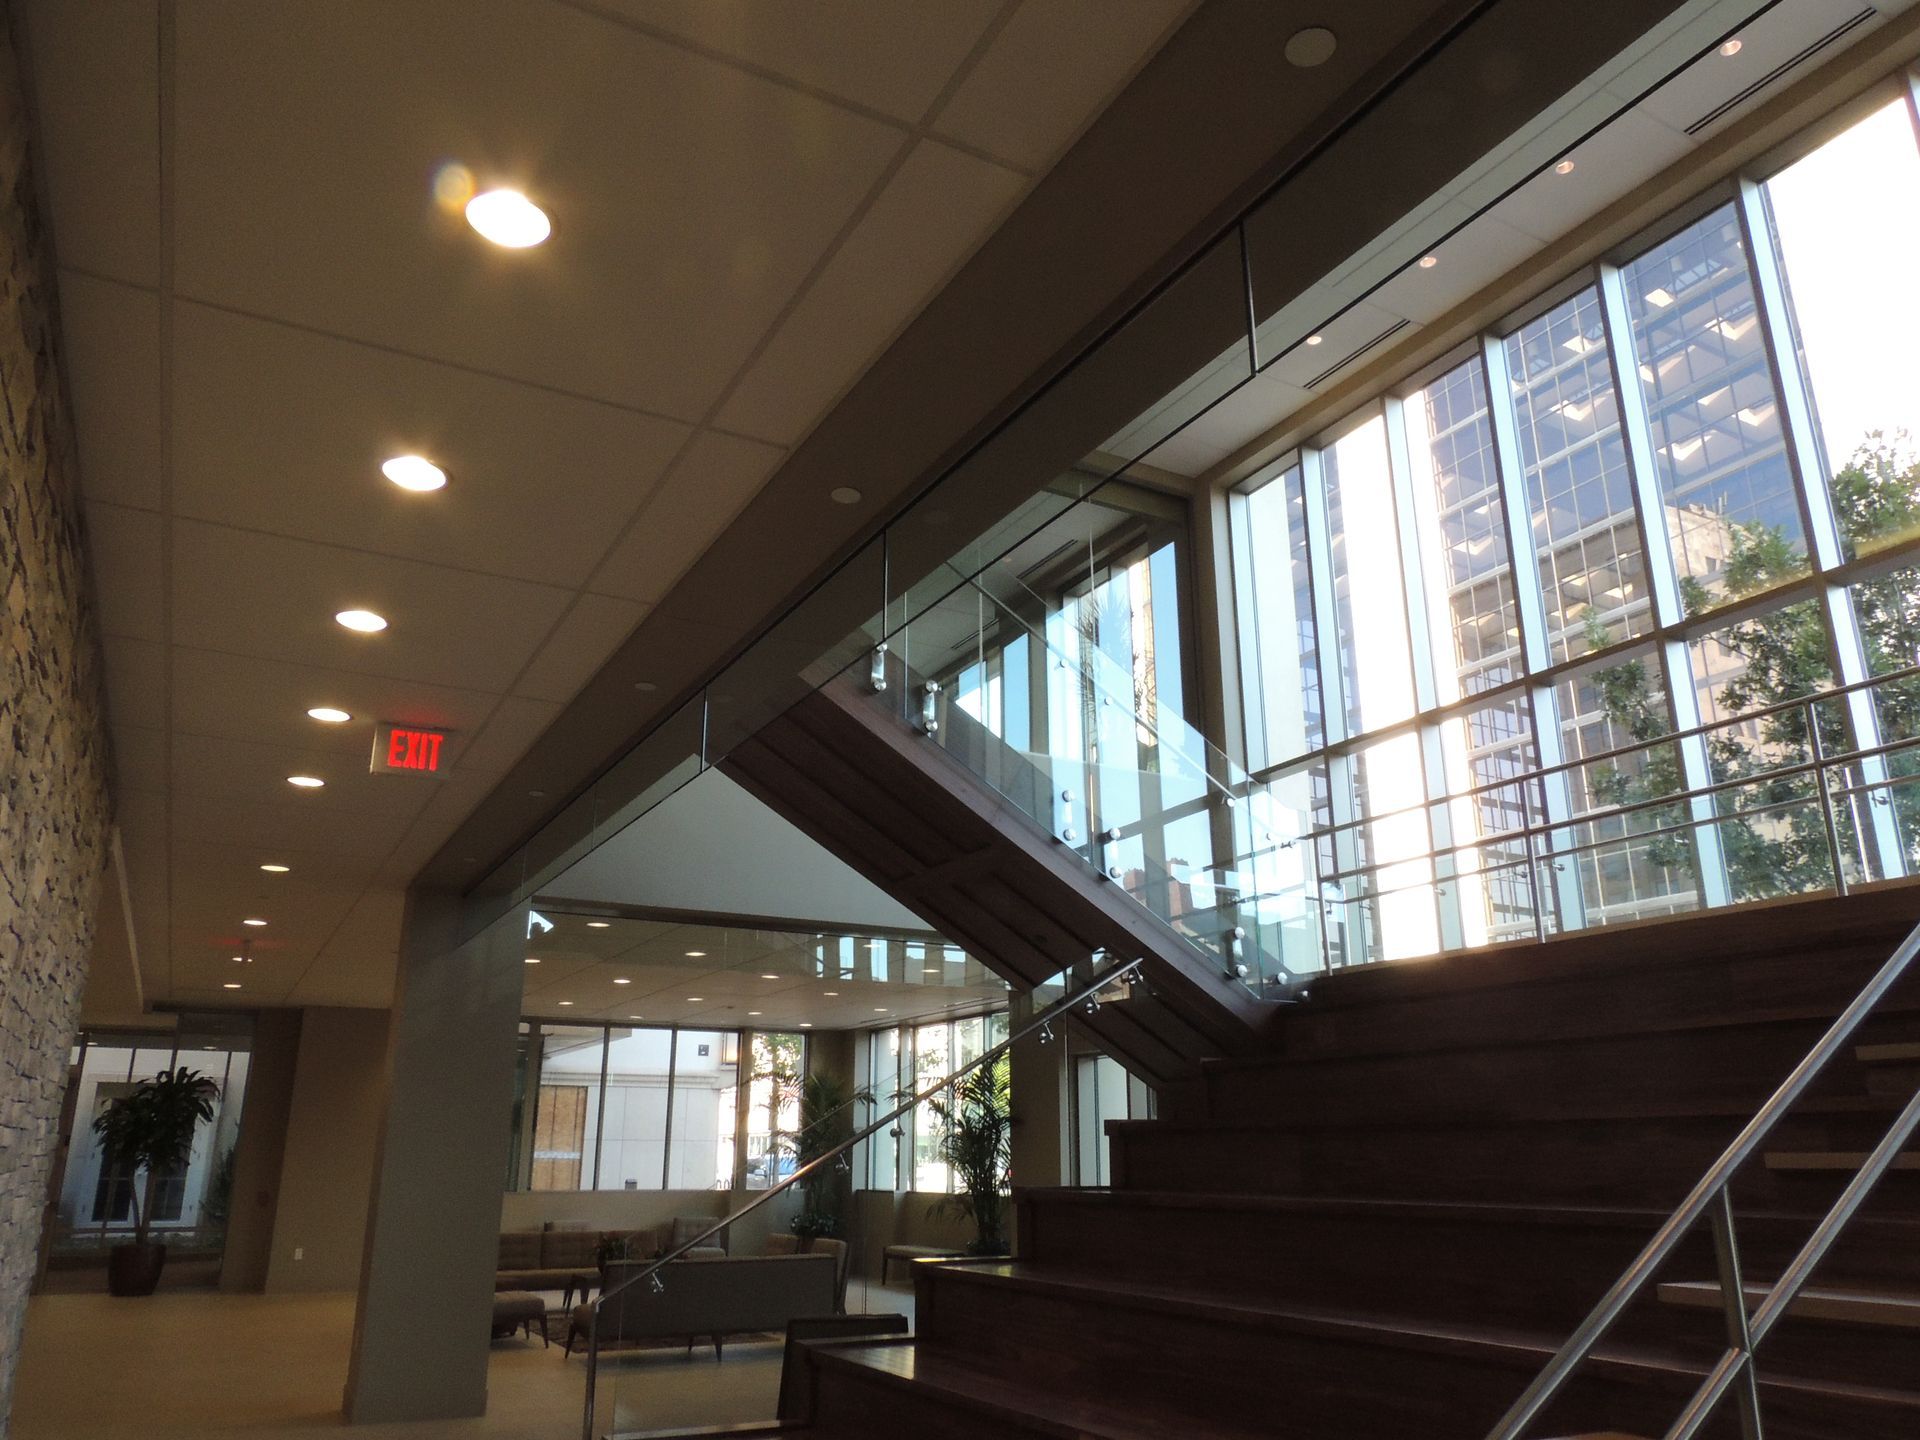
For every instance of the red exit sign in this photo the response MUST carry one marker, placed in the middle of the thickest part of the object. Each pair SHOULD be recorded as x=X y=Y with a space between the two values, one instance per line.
x=407 y=750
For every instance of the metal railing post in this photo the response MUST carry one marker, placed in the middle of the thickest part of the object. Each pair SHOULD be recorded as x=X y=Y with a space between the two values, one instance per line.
x=1733 y=1292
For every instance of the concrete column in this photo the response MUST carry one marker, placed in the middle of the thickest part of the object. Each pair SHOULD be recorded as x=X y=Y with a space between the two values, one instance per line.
x=1042 y=1118
x=426 y=1278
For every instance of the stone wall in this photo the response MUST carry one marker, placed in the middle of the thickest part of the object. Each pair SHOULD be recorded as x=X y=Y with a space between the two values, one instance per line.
x=53 y=749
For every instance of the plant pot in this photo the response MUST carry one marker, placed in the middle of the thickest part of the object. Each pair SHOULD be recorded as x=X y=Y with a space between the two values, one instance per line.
x=134 y=1269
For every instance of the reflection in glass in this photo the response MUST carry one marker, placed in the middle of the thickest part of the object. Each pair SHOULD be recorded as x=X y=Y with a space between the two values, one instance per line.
x=773 y=1107
x=706 y=1069
x=1578 y=490
x=567 y=1114
x=633 y=1131
x=1731 y=515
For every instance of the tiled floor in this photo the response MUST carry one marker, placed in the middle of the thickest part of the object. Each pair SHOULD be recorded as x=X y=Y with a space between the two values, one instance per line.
x=191 y=1365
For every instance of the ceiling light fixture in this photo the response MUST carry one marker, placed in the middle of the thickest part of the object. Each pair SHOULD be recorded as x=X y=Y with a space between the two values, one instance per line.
x=533 y=959
x=831 y=994
x=254 y=922
x=1427 y=262
x=845 y=495
x=1565 y=167
x=806 y=1024
x=566 y=1002
x=328 y=715
x=231 y=985
x=1311 y=47
x=695 y=954
x=636 y=1017
x=1731 y=47
x=509 y=219
x=695 y=999
x=277 y=869
x=364 y=621
x=414 y=472
x=621 y=980
x=598 y=924
x=1661 y=296
x=752 y=1013
x=1315 y=339
x=305 y=782
x=769 y=977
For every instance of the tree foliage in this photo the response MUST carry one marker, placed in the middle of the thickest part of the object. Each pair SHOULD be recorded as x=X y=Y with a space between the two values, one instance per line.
x=976 y=1140
x=152 y=1130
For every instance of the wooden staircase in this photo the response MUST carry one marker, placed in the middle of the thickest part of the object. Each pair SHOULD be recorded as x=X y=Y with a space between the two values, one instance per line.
x=1383 y=1221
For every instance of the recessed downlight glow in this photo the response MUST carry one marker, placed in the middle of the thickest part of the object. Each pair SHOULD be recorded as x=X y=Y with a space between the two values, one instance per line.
x=1315 y=339
x=508 y=218
x=752 y=1013
x=621 y=980
x=831 y=994
x=305 y=782
x=1731 y=47
x=598 y=924
x=1427 y=262
x=806 y=1024
x=769 y=977
x=566 y=1002
x=255 y=922
x=695 y=999
x=414 y=472
x=533 y=959
x=695 y=954
x=329 y=715
x=231 y=985
x=277 y=869
x=365 y=621
x=1565 y=167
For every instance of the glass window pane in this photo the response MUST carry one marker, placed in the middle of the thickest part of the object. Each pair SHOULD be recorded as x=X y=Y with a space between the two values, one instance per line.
x=1731 y=513
x=1280 y=652
x=633 y=1126
x=567 y=1109
x=1887 y=610
x=1391 y=841
x=932 y=1062
x=706 y=1068
x=1844 y=221
x=1456 y=486
x=1490 y=752
x=1369 y=598
x=773 y=1108
x=1592 y=573
x=883 y=1149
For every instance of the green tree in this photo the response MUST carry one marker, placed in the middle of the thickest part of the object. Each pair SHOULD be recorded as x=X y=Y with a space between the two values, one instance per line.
x=1772 y=835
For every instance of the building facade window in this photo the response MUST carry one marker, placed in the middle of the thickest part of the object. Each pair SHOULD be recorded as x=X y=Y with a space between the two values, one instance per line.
x=899 y=1063
x=1707 y=446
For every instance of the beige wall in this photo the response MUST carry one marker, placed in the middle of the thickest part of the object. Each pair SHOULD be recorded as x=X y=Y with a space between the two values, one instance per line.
x=261 y=1151
x=326 y=1170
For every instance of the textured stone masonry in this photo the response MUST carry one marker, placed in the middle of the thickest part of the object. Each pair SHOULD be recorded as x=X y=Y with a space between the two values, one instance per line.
x=53 y=751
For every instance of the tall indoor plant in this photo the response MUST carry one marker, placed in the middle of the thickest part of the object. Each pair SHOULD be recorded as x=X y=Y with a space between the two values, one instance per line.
x=826 y=1118
x=150 y=1130
x=976 y=1141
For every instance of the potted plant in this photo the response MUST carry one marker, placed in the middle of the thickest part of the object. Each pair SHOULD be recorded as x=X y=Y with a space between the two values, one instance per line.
x=152 y=1130
x=976 y=1141
x=826 y=1118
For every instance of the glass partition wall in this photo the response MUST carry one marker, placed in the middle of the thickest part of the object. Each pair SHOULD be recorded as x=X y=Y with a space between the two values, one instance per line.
x=1681 y=494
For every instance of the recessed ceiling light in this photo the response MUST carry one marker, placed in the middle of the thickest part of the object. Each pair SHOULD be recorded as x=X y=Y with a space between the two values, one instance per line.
x=845 y=495
x=1311 y=47
x=598 y=924
x=695 y=999
x=752 y=1013
x=305 y=782
x=1565 y=167
x=645 y=687
x=365 y=621
x=636 y=1017
x=533 y=959
x=241 y=960
x=254 y=922
x=1315 y=339
x=566 y=1002
x=1427 y=262
x=830 y=993
x=881 y=1010
x=328 y=715
x=806 y=1024
x=621 y=980
x=508 y=219
x=414 y=472
x=277 y=869
x=695 y=954
x=231 y=985
x=769 y=977
x=1731 y=47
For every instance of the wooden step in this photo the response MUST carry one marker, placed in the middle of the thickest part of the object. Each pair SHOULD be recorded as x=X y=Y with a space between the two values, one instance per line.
x=1443 y=1261
x=1597 y=1160
x=1849 y=1162
x=1815 y=1302
x=1898 y=1054
x=1690 y=1071
x=1230 y=1358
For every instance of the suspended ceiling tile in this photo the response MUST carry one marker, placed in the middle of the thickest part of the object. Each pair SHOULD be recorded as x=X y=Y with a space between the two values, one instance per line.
x=1471 y=259
x=136 y=681
x=276 y=824
x=515 y=724
x=111 y=358
x=1050 y=71
x=266 y=596
x=130 y=591
x=688 y=197
x=710 y=486
x=933 y=214
x=1288 y=359
x=139 y=758
x=587 y=634
x=1249 y=412
x=95 y=76
x=1606 y=167
x=892 y=58
x=282 y=430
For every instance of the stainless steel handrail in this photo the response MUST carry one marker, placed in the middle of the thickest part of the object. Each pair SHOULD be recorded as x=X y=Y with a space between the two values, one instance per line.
x=1750 y=1327
x=1087 y=994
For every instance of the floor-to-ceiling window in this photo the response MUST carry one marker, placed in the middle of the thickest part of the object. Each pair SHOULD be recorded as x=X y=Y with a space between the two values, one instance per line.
x=1522 y=642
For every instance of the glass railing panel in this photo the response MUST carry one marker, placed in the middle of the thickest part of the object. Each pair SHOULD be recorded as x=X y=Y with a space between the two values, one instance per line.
x=647 y=774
